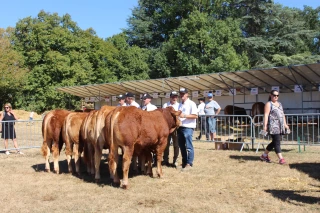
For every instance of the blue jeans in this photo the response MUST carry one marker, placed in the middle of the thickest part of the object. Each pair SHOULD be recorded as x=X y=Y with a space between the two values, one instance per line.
x=185 y=144
x=211 y=125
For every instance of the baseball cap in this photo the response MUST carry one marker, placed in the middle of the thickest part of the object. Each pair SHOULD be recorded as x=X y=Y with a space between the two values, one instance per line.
x=146 y=96
x=201 y=99
x=210 y=95
x=174 y=93
x=183 y=90
x=129 y=94
x=121 y=97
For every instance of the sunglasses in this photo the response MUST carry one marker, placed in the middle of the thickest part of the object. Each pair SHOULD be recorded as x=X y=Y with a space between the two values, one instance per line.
x=6 y=107
x=275 y=95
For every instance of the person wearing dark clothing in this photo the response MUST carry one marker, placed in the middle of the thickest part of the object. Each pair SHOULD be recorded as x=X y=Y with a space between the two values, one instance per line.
x=7 y=119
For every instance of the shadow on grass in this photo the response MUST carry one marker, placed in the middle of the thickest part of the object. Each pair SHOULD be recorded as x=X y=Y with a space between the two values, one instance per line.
x=88 y=178
x=245 y=157
x=311 y=169
x=289 y=196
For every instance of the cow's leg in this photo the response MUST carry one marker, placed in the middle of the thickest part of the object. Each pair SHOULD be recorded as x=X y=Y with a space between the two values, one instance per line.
x=113 y=161
x=142 y=162
x=55 y=153
x=90 y=166
x=47 y=164
x=77 y=158
x=97 y=160
x=69 y=146
x=135 y=160
x=149 y=159
x=127 y=155
x=159 y=150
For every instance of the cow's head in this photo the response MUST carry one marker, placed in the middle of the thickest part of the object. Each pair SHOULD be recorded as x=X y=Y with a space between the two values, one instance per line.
x=172 y=118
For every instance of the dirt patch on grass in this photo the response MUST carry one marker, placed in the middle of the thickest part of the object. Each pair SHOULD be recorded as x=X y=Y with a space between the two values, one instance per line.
x=221 y=181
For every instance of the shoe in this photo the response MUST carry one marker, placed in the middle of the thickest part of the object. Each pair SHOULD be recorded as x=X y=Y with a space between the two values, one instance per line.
x=20 y=153
x=208 y=139
x=175 y=164
x=282 y=161
x=266 y=159
x=165 y=163
x=186 y=168
x=197 y=138
x=7 y=153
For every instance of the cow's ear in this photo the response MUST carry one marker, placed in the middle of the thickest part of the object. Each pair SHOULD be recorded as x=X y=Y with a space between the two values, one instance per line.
x=176 y=113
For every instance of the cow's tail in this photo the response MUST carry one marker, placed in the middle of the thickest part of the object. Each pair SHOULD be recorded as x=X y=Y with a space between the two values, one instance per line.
x=66 y=136
x=113 y=119
x=45 y=122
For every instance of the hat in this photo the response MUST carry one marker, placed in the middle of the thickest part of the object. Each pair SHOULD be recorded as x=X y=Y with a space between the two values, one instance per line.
x=210 y=95
x=173 y=93
x=201 y=99
x=183 y=90
x=121 y=97
x=146 y=96
x=129 y=94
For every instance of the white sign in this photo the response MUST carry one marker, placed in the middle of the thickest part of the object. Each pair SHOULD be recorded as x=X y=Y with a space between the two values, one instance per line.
x=205 y=93
x=195 y=94
x=107 y=99
x=155 y=95
x=298 y=88
x=218 y=93
x=92 y=99
x=168 y=95
x=275 y=88
x=86 y=99
x=232 y=92
x=114 y=98
x=254 y=91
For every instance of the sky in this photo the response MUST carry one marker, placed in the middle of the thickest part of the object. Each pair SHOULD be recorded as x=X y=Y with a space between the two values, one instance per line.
x=106 y=17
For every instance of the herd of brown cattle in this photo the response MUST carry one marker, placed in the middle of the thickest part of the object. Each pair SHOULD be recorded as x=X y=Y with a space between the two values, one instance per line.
x=138 y=133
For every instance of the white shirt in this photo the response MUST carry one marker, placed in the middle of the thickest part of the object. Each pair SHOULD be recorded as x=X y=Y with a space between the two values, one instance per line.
x=149 y=107
x=175 y=105
x=188 y=108
x=31 y=114
x=134 y=104
x=201 y=109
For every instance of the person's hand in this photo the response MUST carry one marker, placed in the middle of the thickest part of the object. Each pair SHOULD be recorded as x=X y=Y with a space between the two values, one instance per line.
x=286 y=126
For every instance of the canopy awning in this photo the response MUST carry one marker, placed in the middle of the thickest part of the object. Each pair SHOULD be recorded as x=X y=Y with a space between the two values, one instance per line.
x=306 y=76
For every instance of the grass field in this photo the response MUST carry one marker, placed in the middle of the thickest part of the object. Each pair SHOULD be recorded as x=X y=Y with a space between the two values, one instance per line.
x=220 y=181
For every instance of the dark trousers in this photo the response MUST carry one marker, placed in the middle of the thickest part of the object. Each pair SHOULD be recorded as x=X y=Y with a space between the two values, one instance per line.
x=275 y=143
x=202 y=124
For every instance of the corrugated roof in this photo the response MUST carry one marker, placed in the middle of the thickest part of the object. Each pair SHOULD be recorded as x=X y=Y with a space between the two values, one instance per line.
x=285 y=77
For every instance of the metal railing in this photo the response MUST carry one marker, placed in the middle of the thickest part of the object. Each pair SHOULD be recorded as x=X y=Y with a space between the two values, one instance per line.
x=28 y=134
x=245 y=130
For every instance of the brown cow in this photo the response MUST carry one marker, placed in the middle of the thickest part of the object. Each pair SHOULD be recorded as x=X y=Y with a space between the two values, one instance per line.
x=70 y=136
x=52 y=137
x=93 y=140
x=257 y=109
x=234 y=110
x=130 y=128
x=87 y=139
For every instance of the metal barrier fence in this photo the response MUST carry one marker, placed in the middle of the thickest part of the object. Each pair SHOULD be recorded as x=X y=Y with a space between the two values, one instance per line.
x=304 y=130
x=243 y=130
x=28 y=134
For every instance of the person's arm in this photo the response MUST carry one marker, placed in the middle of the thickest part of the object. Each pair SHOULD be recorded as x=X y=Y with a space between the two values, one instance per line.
x=267 y=108
x=14 y=115
x=191 y=116
x=1 y=118
x=218 y=111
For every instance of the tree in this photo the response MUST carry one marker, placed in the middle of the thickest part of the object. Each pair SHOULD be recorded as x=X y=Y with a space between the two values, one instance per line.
x=12 y=72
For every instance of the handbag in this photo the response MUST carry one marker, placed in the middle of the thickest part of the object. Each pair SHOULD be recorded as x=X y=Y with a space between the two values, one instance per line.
x=287 y=131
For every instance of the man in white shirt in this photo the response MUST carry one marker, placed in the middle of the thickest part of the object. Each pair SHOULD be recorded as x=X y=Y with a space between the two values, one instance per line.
x=147 y=105
x=188 y=119
x=202 y=117
x=130 y=100
x=173 y=136
x=122 y=100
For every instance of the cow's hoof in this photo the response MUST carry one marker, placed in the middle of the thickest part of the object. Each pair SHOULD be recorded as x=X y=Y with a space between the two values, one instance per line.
x=125 y=186
x=97 y=180
x=56 y=171
x=47 y=170
x=150 y=175
x=115 y=184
